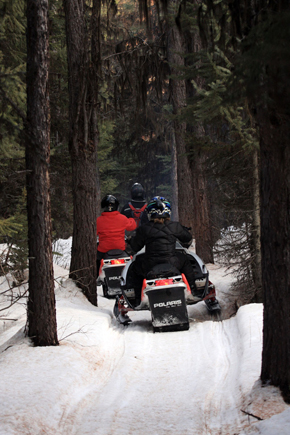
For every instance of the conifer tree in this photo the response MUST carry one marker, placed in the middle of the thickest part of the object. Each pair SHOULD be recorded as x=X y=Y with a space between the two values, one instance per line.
x=41 y=302
x=261 y=65
x=133 y=59
x=193 y=208
x=12 y=104
x=175 y=51
x=60 y=162
x=83 y=69
x=228 y=131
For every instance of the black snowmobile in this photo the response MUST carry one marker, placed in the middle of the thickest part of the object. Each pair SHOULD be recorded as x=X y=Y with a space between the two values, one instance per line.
x=166 y=293
x=110 y=272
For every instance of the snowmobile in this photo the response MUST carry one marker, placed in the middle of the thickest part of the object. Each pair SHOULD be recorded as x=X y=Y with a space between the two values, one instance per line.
x=166 y=293
x=110 y=272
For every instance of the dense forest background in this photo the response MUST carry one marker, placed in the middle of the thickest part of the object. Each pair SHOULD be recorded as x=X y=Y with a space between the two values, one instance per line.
x=189 y=98
x=137 y=118
x=132 y=140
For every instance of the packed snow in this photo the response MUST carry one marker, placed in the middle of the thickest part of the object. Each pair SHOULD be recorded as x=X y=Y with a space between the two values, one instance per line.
x=107 y=379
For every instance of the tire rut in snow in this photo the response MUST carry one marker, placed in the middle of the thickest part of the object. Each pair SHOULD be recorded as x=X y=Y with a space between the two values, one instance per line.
x=170 y=379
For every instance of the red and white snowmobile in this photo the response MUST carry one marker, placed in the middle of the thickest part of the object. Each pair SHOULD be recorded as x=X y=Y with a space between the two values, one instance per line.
x=166 y=293
x=110 y=272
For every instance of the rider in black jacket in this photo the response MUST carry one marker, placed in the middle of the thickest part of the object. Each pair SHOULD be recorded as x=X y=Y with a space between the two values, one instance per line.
x=135 y=208
x=159 y=237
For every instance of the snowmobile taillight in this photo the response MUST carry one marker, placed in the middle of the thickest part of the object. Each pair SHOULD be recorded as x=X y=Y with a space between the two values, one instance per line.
x=119 y=261
x=143 y=288
x=101 y=266
x=186 y=282
x=164 y=282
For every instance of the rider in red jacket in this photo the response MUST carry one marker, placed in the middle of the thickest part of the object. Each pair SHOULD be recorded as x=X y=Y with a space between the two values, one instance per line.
x=111 y=226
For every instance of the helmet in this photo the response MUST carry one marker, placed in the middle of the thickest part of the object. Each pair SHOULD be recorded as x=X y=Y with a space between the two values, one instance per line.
x=158 y=207
x=137 y=191
x=110 y=203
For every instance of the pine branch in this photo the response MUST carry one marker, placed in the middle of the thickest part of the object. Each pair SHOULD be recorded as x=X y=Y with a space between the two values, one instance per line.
x=14 y=105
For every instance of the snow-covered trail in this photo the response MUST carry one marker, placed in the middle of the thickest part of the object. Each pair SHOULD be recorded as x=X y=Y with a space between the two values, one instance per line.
x=190 y=382
x=107 y=379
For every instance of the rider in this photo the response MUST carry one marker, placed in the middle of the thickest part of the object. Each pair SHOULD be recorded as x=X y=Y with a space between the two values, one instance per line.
x=136 y=206
x=159 y=237
x=111 y=226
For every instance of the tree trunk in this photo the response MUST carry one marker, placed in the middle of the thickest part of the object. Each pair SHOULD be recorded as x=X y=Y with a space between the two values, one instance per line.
x=256 y=231
x=203 y=232
x=41 y=302
x=83 y=145
x=275 y=225
x=174 y=183
x=203 y=227
x=273 y=119
x=178 y=97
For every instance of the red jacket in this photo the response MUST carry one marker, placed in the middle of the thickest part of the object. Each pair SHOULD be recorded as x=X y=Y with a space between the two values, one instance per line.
x=111 y=226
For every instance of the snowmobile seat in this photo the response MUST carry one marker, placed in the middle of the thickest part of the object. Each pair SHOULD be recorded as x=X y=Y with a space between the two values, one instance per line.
x=115 y=253
x=165 y=270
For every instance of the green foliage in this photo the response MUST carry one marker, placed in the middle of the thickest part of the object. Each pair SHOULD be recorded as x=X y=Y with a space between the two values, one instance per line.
x=60 y=162
x=216 y=102
x=133 y=70
x=12 y=64
x=130 y=135
x=8 y=228
x=262 y=65
x=13 y=227
x=141 y=150
x=19 y=241
x=13 y=232
x=220 y=123
x=107 y=165
x=164 y=163
x=58 y=81
x=12 y=103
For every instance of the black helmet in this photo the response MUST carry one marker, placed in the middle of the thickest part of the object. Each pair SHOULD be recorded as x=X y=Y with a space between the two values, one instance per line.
x=158 y=207
x=110 y=203
x=137 y=191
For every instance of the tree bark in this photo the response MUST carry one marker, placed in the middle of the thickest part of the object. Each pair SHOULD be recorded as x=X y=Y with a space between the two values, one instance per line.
x=175 y=46
x=203 y=232
x=275 y=225
x=174 y=183
x=41 y=302
x=83 y=142
x=256 y=231
x=203 y=227
x=273 y=117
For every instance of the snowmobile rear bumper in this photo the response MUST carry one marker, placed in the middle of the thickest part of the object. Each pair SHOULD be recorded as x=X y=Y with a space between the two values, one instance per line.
x=168 y=308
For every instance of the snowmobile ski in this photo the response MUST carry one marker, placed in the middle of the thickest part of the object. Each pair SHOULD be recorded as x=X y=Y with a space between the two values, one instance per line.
x=210 y=299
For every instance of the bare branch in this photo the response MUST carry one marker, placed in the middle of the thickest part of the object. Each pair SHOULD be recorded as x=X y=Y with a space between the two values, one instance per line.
x=17 y=298
x=252 y=415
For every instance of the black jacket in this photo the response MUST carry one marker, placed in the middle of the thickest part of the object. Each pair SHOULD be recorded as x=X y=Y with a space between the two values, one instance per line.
x=127 y=211
x=159 y=239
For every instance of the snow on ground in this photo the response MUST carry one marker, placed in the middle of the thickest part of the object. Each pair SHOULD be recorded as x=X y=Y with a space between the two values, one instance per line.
x=107 y=379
